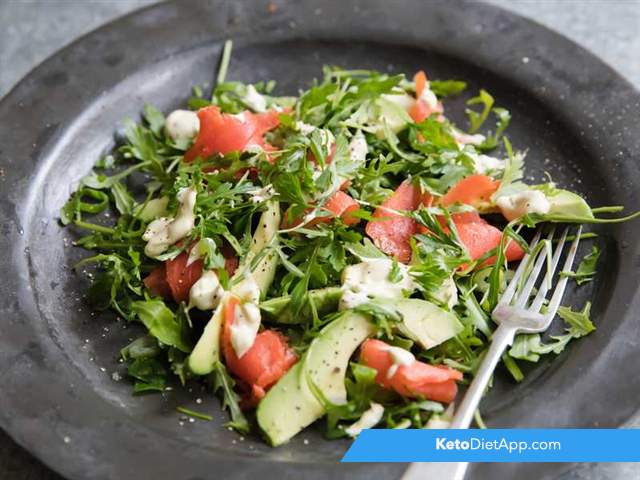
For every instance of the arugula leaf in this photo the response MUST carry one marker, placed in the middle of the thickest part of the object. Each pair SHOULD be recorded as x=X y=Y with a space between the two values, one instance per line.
x=447 y=88
x=587 y=268
x=122 y=198
x=530 y=346
x=432 y=137
x=411 y=413
x=121 y=275
x=150 y=375
x=503 y=119
x=141 y=347
x=477 y=119
x=154 y=118
x=365 y=250
x=101 y=181
x=381 y=315
x=579 y=322
x=222 y=382
x=72 y=210
x=513 y=171
x=161 y=323
x=210 y=253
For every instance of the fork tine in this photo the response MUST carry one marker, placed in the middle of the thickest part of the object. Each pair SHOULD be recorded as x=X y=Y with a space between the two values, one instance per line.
x=524 y=294
x=511 y=288
x=546 y=283
x=559 y=291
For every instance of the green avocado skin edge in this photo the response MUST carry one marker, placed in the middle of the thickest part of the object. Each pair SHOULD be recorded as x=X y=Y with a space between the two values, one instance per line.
x=290 y=405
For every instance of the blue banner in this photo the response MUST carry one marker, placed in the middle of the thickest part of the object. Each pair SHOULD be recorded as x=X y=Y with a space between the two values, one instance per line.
x=496 y=445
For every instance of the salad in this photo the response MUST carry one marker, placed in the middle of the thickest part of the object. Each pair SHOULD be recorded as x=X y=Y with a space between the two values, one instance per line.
x=334 y=254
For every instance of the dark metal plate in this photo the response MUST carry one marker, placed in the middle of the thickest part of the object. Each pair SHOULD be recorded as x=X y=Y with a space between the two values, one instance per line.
x=57 y=396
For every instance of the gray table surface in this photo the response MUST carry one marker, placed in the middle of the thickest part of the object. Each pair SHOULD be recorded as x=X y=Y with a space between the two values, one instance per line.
x=31 y=30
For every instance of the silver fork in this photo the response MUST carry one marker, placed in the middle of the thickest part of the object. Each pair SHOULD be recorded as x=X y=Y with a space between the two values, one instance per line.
x=514 y=314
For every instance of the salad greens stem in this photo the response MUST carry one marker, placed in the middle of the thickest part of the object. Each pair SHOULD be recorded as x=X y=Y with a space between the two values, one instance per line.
x=224 y=62
x=191 y=413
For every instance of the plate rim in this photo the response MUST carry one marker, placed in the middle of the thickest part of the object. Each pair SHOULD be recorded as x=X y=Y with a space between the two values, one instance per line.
x=24 y=434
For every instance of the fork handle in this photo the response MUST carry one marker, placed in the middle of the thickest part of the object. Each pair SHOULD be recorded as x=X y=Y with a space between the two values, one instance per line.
x=501 y=339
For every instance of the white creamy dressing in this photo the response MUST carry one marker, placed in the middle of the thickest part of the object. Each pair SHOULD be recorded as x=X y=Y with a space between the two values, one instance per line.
x=304 y=128
x=440 y=421
x=399 y=356
x=358 y=148
x=244 y=327
x=463 y=139
x=263 y=194
x=254 y=100
x=429 y=97
x=207 y=292
x=247 y=315
x=182 y=125
x=484 y=164
x=521 y=203
x=247 y=290
x=369 y=418
x=370 y=279
x=165 y=231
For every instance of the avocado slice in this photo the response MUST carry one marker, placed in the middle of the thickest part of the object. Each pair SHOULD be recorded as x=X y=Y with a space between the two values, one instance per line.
x=154 y=208
x=290 y=405
x=426 y=323
x=267 y=228
x=325 y=300
x=207 y=351
x=392 y=109
x=568 y=204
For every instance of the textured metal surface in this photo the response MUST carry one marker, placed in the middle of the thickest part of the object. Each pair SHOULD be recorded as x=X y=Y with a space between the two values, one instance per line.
x=562 y=98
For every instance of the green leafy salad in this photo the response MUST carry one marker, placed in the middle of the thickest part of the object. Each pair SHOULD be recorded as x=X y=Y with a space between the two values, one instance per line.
x=334 y=254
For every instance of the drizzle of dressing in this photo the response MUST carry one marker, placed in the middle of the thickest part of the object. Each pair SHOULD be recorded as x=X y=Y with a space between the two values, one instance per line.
x=182 y=125
x=358 y=148
x=244 y=327
x=247 y=315
x=463 y=139
x=364 y=281
x=521 y=203
x=207 y=292
x=400 y=356
x=484 y=163
x=165 y=231
x=263 y=194
x=369 y=418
